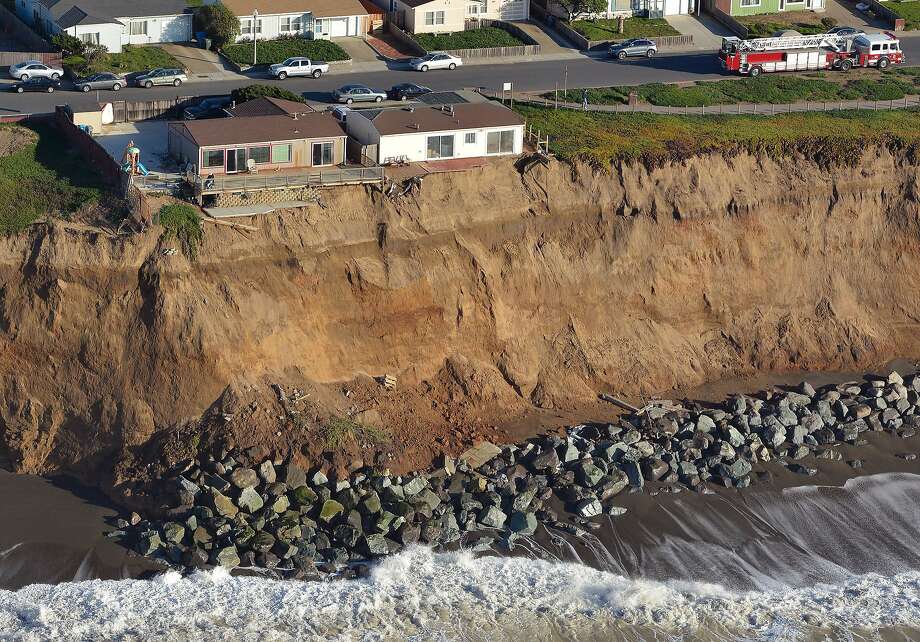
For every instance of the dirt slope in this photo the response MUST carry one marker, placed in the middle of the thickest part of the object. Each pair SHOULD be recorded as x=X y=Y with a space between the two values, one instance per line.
x=489 y=295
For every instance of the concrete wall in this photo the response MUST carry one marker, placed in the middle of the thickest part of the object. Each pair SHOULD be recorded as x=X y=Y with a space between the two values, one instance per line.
x=414 y=147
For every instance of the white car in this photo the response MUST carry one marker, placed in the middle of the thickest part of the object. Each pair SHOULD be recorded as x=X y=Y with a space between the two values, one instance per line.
x=299 y=67
x=435 y=60
x=34 y=69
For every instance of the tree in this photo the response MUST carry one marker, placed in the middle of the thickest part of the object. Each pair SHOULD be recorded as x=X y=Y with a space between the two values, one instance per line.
x=216 y=20
x=69 y=45
x=242 y=94
x=577 y=8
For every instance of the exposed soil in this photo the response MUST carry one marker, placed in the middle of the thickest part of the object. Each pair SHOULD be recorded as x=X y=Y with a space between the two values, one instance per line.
x=500 y=303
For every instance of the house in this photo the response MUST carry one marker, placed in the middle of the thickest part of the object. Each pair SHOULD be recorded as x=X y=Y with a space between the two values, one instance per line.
x=112 y=23
x=628 y=8
x=424 y=133
x=443 y=16
x=321 y=19
x=277 y=142
x=754 y=7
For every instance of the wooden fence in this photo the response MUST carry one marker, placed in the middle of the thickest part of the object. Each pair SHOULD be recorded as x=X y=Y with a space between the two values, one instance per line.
x=22 y=43
x=410 y=43
x=129 y=111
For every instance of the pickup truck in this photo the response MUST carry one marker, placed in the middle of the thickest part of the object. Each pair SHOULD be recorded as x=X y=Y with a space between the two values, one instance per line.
x=298 y=67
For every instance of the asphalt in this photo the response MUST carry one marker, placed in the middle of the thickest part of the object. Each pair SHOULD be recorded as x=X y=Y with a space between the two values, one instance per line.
x=582 y=71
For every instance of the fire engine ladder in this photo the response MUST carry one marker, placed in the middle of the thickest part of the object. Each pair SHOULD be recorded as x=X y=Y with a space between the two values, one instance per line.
x=793 y=42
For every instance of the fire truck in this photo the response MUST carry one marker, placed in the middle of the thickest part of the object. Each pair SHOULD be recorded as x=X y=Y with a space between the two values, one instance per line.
x=819 y=51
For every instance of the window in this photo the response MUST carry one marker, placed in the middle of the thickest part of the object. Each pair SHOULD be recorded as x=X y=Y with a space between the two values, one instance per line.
x=322 y=154
x=500 y=142
x=441 y=146
x=470 y=138
x=213 y=158
x=290 y=23
x=434 y=18
x=281 y=153
x=90 y=38
x=246 y=26
x=259 y=154
x=876 y=47
x=750 y=3
x=138 y=27
x=472 y=9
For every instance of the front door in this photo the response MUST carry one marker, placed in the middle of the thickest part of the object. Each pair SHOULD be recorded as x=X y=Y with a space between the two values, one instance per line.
x=782 y=5
x=236 y=160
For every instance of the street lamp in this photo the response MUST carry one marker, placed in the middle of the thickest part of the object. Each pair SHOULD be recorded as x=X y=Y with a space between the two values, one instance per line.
x=255 y=35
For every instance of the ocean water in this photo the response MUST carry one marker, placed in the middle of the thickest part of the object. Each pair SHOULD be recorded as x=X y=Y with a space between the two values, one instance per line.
x=830 y=571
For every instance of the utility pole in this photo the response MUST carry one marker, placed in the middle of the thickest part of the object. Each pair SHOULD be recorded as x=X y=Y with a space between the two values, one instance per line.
x=255 y=36
x=565 y=85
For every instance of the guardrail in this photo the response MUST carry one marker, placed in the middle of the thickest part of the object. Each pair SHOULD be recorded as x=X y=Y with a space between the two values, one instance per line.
x=321 y=177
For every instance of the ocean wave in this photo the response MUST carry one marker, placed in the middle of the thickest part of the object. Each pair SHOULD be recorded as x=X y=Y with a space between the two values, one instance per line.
x=420 y=595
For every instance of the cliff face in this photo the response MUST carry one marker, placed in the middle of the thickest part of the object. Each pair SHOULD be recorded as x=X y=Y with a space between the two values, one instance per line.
x=487 y=294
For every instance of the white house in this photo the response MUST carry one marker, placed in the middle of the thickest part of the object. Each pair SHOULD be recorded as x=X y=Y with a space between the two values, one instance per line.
x=113 y=23
x=442 y=16
x=322 y=19
x=425 y=133
x=628 y=8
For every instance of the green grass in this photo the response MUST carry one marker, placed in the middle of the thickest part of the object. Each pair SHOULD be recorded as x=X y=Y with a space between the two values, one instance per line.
x=608 y=29
x=829 y=138
x=44 y=178
x=271 y=52
x=907 y=9
x=338 y=432
x=182 y=223
x=766 y=24
x=779 y=89
x=482 y=38
x=131 y=59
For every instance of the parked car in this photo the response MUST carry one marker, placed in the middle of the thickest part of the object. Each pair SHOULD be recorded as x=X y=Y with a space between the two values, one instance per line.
x=435 y=60
x=207 y=108
x=161 y=76
x=299 y=67
x=47 y=85
x=34 y=69
x=100 y=81
x=633 y=47
x=846 y=31
x=407 y=90
x=358 y=94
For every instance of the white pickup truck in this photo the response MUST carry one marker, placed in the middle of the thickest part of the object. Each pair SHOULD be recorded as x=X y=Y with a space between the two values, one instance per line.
x=298 y=67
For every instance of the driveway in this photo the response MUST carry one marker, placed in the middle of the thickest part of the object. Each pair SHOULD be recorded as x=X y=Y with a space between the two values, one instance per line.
x=200 y=63
x=359 y=50
x=845 y=13
x=550 y=42
x=706 y=31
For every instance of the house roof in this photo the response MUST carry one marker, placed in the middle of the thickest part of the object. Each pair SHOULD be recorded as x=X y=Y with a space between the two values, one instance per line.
x=319 y=8
x=268 y=106
x=415 y=3
x=437 y=119
x=106 y=11
x=262 y=129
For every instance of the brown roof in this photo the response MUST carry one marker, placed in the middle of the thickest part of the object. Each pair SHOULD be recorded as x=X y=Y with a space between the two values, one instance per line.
x=437 y=119
x=319 y=8
x=262 y=129
x=270 y=107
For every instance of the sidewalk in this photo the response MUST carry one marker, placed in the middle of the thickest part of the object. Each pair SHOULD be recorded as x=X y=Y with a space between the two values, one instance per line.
x=706 y=31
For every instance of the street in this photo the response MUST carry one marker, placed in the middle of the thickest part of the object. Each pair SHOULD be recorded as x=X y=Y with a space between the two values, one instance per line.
x=526 y=76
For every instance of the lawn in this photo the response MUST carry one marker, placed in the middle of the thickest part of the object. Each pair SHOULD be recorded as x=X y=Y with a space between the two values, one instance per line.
x=131 y=59
x=907 y=9
x=889 y=85
x=482 y=38
x=763 y=25
x=40 y=175
x=271 y=52
x=602 y=138
x=608 y=29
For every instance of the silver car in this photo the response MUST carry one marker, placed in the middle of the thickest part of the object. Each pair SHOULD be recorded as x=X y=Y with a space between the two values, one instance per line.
x=99 y=81
x=358 y=94
x=34 y=69
x=633 y=47
x=161 y=76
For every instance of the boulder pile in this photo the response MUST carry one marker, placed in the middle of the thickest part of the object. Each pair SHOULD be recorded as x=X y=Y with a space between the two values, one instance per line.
x=233 y=508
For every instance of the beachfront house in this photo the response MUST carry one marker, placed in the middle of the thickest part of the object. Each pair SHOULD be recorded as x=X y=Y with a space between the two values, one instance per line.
x=444 y=16
x=320 y=19
x=434 y=133
x=112 y=23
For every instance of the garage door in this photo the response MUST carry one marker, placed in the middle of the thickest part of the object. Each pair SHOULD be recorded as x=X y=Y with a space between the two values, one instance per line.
x=338 y=27
x=176 y=29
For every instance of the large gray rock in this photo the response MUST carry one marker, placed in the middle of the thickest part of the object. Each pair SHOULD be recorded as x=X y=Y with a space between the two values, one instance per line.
x=244 y=478
x=588 y=508
x=588 y=474
x=375 y=545
x=525 y=523
x=634 y=473
x=173 y=532
x=493 y=517
x=267 y=472
x=414 y=486
x=149 y=543
x=223 y=504
x=227 y=557
x=292 y=475
x=737 y=469
x=303 y=496
x=331 y=509
x=547 y=460
x=249 y=500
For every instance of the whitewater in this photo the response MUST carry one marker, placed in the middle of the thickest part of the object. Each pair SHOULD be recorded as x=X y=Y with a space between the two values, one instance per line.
x=420 y=595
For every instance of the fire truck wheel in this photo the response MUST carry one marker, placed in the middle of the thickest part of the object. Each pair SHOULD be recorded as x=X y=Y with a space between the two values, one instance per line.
x=846 y=65
x=755 y=71
x=883 y=63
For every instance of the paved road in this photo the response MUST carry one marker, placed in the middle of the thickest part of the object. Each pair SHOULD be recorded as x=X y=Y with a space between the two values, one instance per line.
x=526 y=76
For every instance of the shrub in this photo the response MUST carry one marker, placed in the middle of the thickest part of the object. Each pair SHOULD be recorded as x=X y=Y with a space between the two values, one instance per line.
x=482 y=38
x=69 y=45
x=182 y=223
x=242 y=94
x=216 y=20
x=275 y=51
x=829 y=22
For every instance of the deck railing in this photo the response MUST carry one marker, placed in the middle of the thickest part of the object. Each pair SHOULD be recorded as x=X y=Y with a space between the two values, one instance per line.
x=316 y=177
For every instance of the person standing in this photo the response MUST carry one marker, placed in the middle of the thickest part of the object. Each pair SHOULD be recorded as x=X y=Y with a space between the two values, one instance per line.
x=584 y=100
